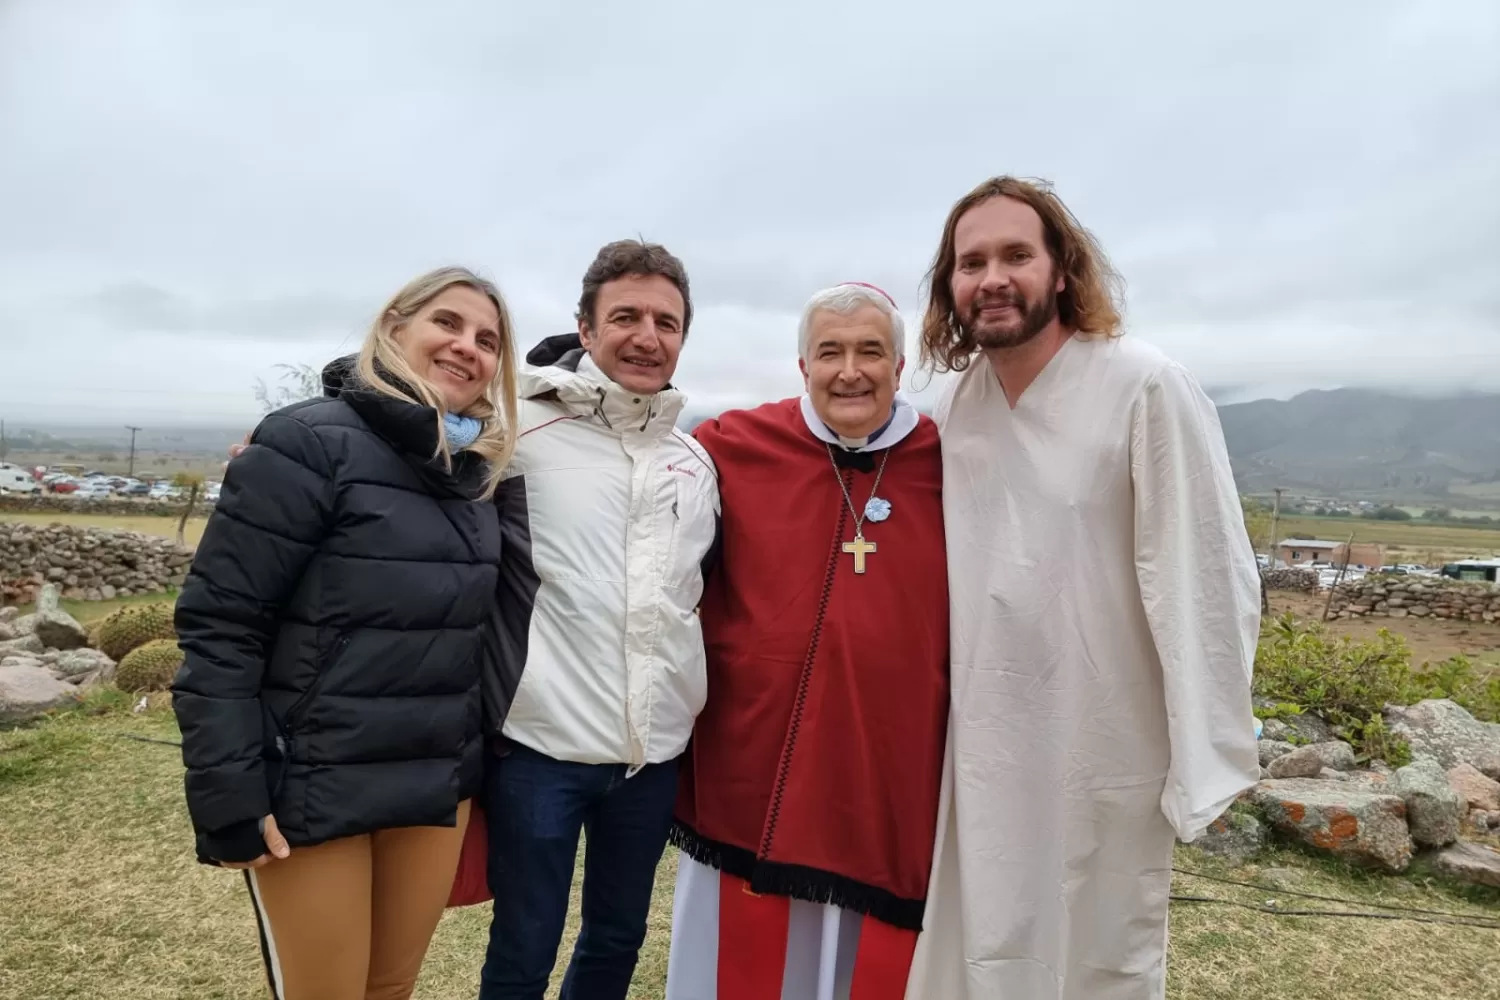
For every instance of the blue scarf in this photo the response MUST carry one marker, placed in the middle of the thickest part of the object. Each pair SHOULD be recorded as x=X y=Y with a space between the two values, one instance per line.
x=462 y=431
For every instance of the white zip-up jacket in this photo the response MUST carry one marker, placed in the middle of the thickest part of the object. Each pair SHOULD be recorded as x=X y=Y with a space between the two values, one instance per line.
x=609 y=516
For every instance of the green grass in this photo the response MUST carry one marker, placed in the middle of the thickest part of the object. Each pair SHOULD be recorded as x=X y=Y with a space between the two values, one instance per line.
x=101 y=897
x=88 y=612
x=146 y=524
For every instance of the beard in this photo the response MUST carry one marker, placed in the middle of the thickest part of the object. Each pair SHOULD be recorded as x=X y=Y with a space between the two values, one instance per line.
x=1031 y=319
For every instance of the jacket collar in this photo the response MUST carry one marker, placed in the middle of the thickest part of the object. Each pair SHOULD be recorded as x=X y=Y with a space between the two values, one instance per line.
x=559 y=368
x=903 y=421
x=410 y=427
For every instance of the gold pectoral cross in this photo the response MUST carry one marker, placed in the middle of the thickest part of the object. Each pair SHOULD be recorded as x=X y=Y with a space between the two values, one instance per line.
x=859 y=548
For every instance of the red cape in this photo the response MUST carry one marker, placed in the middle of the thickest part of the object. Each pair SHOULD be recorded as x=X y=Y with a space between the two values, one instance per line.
x=814 y=767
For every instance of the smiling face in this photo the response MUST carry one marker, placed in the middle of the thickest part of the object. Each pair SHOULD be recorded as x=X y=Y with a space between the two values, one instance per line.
x=454 y=343
x=637 y=331
x=1004 y=283
x=851 y=370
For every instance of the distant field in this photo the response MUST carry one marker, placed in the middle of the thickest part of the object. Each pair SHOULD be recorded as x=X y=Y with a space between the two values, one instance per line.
x=1405 y=541
x=1479 y=491
x=145 y=524
x=148 y=464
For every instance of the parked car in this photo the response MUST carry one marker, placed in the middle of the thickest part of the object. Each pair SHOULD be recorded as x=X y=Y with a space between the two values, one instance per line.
x=14 y=479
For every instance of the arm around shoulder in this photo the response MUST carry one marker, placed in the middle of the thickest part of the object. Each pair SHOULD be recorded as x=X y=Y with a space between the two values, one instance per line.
x=1201 y=592
x=273 y=512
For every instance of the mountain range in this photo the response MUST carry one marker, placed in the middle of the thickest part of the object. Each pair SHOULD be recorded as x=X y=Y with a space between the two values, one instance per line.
x=1367 y=444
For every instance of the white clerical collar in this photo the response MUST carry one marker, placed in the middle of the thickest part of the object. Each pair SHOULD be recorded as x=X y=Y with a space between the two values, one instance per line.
x=903 y=421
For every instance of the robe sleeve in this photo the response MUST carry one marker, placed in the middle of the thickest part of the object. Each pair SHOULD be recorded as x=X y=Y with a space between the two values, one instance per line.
x=1201 y=589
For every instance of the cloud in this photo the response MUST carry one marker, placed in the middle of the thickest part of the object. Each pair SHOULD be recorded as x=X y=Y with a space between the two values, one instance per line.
x=1300 y=197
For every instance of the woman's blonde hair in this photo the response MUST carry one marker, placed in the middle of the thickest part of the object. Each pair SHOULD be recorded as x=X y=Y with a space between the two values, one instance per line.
x=381 y=356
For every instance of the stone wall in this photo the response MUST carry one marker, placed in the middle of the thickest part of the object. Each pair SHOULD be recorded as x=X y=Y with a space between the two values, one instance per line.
x=1388 y=596
x=49 y=503
x=1290 y=579
x=89 y=564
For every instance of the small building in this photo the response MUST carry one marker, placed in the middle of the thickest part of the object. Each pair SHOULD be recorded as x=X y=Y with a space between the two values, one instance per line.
x=1360 y=555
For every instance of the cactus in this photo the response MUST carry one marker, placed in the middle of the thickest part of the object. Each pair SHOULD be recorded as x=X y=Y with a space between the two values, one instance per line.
x=132 y=627
x=149 y=667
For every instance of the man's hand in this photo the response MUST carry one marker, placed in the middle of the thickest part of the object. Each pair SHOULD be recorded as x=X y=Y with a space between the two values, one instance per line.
x=235 y=450
x=275 y=845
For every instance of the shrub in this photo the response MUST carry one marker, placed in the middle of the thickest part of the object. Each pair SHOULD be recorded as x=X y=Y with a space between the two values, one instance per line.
x=1349 y=683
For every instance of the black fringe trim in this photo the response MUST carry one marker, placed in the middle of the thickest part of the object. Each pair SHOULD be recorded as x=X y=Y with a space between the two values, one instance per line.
x=813 y=885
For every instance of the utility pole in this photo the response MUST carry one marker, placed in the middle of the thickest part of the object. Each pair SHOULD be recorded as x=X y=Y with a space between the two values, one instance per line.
x=132 y=431
x=1275 y=514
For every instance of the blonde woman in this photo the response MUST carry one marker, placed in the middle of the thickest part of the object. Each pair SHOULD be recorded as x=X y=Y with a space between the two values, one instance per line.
x=335 y=623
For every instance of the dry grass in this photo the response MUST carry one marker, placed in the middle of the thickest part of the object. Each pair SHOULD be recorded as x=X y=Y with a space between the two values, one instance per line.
x=1430 y=639
x=101 y=898
x=146 y=524
x=1404 y=541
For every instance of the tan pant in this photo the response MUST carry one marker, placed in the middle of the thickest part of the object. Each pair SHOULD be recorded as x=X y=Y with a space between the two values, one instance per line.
x=351 y=919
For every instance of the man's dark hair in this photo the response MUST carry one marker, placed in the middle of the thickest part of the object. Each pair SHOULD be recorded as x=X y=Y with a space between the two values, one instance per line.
x=626 y=257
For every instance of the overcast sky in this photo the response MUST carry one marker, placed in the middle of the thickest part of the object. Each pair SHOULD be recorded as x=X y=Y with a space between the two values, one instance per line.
x=1300 y=194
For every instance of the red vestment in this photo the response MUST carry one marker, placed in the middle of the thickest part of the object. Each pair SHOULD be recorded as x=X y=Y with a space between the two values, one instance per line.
x=814 y=767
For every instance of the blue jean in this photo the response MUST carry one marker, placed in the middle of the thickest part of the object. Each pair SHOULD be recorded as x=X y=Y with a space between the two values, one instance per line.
x=536 y=806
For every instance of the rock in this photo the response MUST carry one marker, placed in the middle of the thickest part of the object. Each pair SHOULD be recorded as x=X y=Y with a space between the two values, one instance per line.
x=1478 y=791
x=1310 y=728
x=53 y=626
x=1362 y=827
x=1487 y=763
x=76 y=663
x=1236 y=835
x=6 y=632
x=9 y=614
x=1275 y=730
x=23 y=644
x=1302 y=762
x=1329 y=774
x=27 y=692
x=1439 y=728
x=20 y=660
x=1434 y=811
x=1271 y=749
x=1472 y=863
x=1335 y=755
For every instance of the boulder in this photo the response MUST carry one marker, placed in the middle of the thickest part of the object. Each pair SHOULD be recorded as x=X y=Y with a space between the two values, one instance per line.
x=1236 y=835
x=1336 y=755
x=50 y=623
x=9 y=614
x=1302 y=762
x=1360 y=826
x=1478 y=791
x=1488 y=763
x=76 y=663
x=6 y=632
x=1271 y=749
x=1442 y=729
x=27 y=692
x=1308 y=728
x=23 y=644
x=1472 y=863
x=1434 y=811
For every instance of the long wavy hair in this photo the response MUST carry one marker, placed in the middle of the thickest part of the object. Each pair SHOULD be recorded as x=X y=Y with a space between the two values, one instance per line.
x=1093 y=292
x=495 y=408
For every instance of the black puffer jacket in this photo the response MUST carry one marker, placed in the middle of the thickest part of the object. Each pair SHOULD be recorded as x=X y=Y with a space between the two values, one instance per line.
x=338 y=614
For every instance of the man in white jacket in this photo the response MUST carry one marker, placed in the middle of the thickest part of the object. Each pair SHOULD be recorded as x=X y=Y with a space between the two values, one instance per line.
x=1105 y=607
x=609 y=515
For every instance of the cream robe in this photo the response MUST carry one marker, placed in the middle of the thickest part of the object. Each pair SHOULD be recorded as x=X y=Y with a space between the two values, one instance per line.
x=1106 y=606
